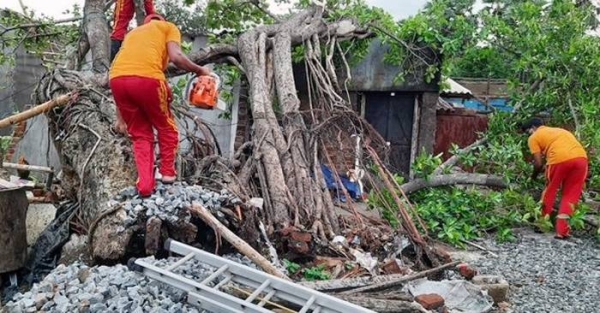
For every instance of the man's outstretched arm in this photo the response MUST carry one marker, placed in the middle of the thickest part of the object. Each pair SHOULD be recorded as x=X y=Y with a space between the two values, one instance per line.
x=180 y=60
x=538 y=165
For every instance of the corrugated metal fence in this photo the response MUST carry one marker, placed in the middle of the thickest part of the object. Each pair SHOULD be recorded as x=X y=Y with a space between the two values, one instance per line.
x=461 y=127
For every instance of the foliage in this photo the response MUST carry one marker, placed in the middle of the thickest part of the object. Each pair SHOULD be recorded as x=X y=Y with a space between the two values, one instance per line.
x=309 y=273
x=456 y=214
x=425 y=164
x=291 y=267
x=315 y=273
x=5 y=142
x=190 y=18
x=537 y=44
x=45 y=36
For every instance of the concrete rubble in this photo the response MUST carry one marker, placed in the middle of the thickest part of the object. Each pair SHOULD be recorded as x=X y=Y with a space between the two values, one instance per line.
x=169 y=202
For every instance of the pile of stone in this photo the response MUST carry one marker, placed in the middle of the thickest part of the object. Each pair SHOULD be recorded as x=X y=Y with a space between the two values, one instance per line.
x=169 y=202
x=79 y=288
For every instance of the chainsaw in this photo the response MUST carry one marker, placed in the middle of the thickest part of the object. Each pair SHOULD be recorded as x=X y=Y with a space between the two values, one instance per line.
x=203 y=91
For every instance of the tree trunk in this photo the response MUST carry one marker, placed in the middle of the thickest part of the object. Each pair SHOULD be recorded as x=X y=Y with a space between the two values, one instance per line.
x=96 y=163
x=289 y=173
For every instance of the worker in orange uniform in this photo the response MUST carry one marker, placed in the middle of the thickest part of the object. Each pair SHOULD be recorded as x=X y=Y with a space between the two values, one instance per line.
x=124 y=11
x=566 y=168
x=143 y=96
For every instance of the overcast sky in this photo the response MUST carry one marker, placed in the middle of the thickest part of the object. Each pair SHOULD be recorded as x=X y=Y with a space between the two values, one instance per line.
x=54 y=8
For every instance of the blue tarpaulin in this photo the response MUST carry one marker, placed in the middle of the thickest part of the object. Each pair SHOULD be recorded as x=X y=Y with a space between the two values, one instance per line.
x=351 y=187
x=500 y=104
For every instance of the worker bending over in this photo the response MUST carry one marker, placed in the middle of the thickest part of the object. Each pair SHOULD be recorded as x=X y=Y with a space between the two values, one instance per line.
x=143 y=96
x=124 y=11
x=566 y=168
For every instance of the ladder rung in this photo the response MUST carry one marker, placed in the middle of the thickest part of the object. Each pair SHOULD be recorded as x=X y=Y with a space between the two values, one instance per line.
x=180 y=262
x=308 y=304
x=223 y=282
x=258 y=291
x=224 y=302
x=215 y=274
x=268 y=297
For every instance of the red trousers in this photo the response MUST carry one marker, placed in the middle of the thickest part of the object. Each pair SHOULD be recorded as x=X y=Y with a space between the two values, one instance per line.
x=144 y=104
x=570 y=177
x=124 y=11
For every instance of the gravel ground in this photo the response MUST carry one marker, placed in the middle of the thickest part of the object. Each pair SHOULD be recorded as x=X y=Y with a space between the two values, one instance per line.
x=546 y=274
x=79 y=288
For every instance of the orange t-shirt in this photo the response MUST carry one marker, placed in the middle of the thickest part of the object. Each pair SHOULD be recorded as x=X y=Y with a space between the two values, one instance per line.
x=144 y=51
x=556 y=144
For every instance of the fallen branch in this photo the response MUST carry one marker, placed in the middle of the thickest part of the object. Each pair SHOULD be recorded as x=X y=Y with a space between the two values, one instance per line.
x=408 y=224
x=455 y=158
x=235 y=241
x=24 y=167
x=37 y=110
x=479 y=247
x=404 y=279
x=454 y=179
x=384 y=305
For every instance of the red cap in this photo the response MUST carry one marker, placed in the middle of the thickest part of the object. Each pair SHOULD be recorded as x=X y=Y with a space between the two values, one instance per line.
x=151 y=17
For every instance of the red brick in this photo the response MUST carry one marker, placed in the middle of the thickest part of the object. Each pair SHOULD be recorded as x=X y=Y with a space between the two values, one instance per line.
x=466 y=271
x=430 y=301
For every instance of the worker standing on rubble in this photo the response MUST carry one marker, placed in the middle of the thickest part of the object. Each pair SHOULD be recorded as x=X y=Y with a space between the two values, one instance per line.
x=143 y=96
x=124 y=11
x=566 y=168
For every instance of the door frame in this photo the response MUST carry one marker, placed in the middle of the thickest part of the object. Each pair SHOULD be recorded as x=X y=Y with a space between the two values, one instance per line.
x=414 y=145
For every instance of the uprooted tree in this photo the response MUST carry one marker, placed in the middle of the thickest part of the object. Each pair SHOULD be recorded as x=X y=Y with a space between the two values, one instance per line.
x=287 y=145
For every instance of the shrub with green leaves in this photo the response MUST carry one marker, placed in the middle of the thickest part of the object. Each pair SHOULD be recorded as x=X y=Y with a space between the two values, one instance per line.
x=457 y=214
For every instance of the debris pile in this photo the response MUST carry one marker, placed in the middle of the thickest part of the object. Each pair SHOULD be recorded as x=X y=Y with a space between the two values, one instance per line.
x=170 y=202
x=79 y=288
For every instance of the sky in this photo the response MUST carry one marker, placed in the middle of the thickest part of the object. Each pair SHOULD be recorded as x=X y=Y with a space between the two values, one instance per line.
x=398 y=8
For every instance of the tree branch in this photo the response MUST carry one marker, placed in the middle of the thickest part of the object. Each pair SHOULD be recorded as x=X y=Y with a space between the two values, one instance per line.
x=256 y=3
x=451 y=161
x=46 y=23
x=454 y=179
x=400 y=41
x=210 y=54
x=96 y=29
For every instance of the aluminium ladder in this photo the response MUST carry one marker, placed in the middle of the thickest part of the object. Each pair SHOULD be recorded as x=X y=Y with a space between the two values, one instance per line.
x=263 y=286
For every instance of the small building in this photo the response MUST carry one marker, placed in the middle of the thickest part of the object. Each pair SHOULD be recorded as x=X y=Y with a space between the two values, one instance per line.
x=404 y=113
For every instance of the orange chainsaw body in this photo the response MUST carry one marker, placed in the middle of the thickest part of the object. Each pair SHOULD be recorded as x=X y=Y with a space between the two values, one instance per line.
x=205 y=93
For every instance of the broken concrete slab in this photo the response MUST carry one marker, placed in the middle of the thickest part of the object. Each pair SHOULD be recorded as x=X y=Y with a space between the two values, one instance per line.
x=496 y=286
x=39 y=216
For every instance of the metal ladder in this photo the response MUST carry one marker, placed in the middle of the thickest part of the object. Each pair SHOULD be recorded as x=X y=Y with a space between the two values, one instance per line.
x=262 y=286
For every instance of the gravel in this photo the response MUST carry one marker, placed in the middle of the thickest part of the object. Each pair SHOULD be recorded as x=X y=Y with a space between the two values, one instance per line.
x=548 y=275
x=79 y=288
x=169 y=202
